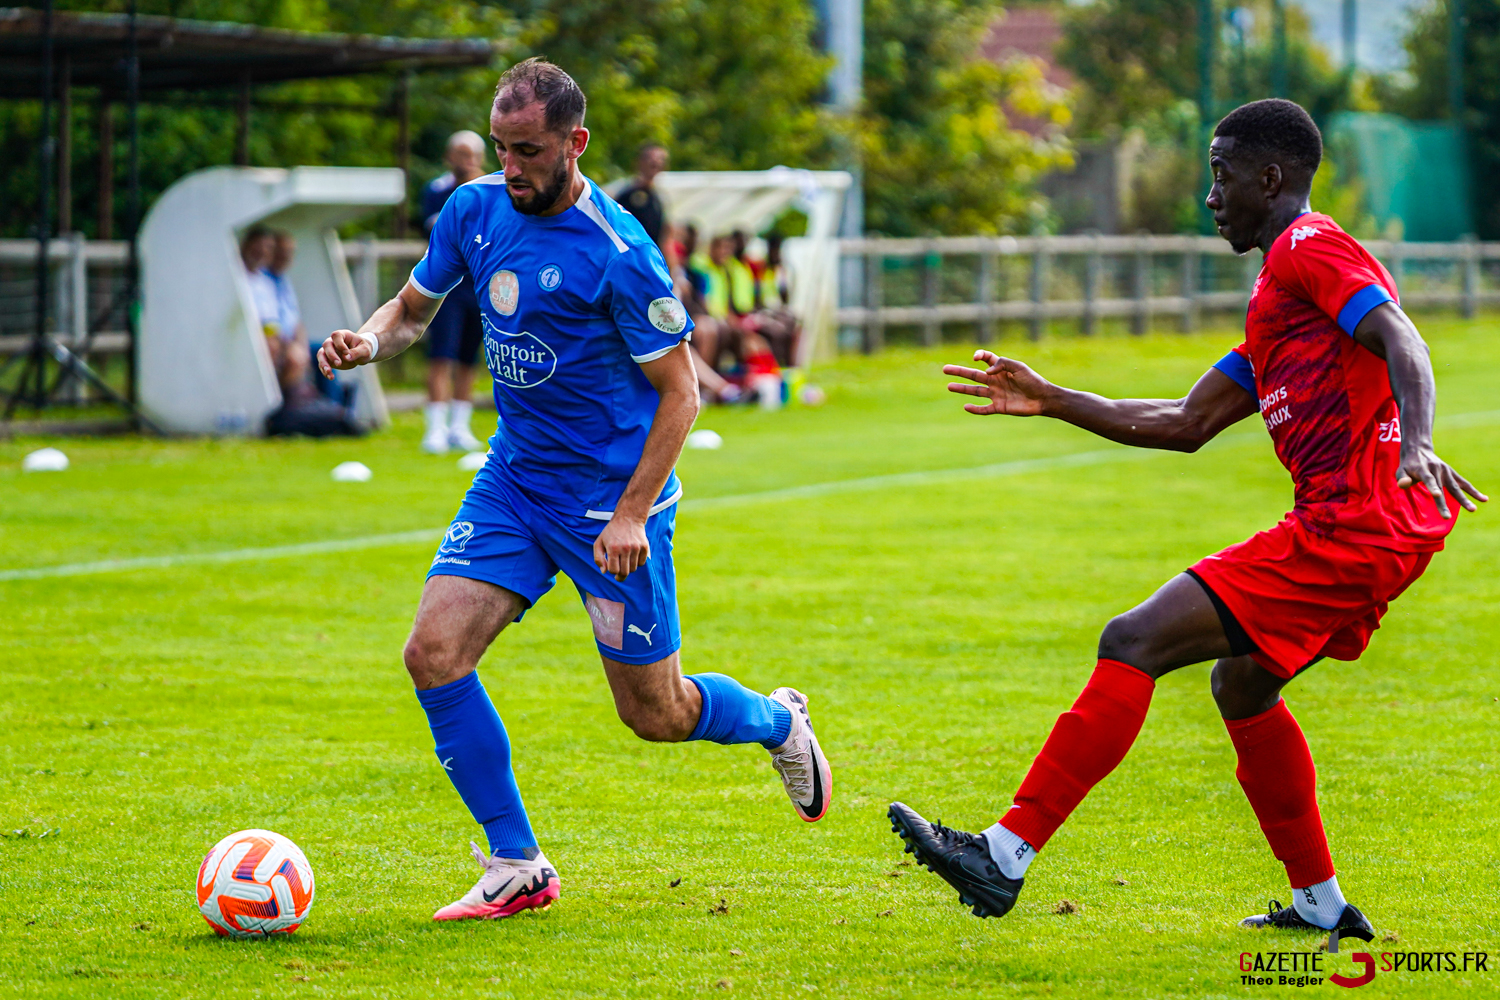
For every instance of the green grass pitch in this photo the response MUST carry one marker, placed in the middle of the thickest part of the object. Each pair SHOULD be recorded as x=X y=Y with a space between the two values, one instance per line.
x=939 y=625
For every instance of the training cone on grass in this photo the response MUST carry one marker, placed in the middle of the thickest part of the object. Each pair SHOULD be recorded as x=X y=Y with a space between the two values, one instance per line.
x=45 y=460
x=705 y=439
x=352 y=472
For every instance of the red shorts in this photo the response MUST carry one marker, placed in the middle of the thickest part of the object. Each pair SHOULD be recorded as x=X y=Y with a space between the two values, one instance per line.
x=1299 y=596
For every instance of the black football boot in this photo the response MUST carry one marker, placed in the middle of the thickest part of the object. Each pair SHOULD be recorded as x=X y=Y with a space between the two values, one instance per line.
x=958 y=858
x=1352 y=923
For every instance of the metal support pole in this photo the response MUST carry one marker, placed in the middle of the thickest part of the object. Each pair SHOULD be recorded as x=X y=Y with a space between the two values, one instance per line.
x=1040 y=268
x=367 y=276
x=1207 y=34
x=1093 y=274
x=874 y=293
x=989 y=262
x=1140 y=316
x=932 y=276
x=1471 y=276
x=1190 y=289
x=105 y=226
x=403 y=148
x=1351 y=35
x=65 y=147
x=133 y=215
x=1279 y=86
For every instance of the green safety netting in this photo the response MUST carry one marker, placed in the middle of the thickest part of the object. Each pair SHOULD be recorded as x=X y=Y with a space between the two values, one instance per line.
x=1414 y=173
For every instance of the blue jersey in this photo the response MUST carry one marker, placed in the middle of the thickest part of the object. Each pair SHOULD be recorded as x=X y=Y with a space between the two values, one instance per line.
x=572 y=305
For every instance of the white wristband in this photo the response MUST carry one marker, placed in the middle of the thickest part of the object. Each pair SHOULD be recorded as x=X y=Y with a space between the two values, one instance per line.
x=374 y=343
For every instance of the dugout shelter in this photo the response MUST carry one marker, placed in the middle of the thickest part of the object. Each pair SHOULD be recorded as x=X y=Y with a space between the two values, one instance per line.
x=204 y=364
x=718 y=201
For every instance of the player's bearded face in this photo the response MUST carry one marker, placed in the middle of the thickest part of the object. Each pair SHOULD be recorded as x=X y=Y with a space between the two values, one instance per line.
x=544 y=185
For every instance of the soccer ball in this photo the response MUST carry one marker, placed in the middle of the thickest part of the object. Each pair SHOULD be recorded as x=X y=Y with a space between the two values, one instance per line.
x=254 y=883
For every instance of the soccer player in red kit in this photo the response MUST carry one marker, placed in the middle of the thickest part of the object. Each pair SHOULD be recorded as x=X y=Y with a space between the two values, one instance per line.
x=1343 y=382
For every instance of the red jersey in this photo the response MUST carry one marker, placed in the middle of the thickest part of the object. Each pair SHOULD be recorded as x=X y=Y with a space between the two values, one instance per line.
x=1326 y=400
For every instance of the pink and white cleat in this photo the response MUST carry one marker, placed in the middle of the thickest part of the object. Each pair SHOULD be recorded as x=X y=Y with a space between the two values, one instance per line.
x=508 y=886
x=804 y=770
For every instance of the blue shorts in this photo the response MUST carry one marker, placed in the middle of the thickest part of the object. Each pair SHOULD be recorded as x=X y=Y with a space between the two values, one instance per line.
x=456 y=332
x=502 y=536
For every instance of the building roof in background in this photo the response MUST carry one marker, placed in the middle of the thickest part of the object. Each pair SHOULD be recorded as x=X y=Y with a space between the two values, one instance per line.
x=1030 y=33
x=178 y=54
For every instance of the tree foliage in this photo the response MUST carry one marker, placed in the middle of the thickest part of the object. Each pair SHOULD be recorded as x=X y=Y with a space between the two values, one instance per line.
x=940 y=154
x=725 y=84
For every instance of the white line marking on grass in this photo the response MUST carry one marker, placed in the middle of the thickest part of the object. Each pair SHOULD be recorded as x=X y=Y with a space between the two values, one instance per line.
x=233 y=555
x=1102 y=456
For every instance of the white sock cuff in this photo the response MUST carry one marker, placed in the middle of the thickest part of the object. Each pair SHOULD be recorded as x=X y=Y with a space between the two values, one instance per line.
x=1010 y=852
x=437 y=413
x=459 y=412
x=1320 y=904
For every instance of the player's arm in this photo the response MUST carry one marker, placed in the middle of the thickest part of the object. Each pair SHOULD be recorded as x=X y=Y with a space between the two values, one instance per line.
x=393 y=328
x=621 y=547
x=1389 y=334
x=1215 y=402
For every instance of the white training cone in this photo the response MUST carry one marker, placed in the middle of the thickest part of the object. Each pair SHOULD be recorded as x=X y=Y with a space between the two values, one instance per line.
x=705 y=439
x=473 y=461
x=45 y=460
x=352 y=472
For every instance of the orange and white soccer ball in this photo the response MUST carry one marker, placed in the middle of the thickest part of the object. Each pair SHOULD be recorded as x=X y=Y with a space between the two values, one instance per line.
x=255 y=883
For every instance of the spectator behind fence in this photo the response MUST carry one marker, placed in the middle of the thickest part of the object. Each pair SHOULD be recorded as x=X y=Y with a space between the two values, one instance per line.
x=292 y=370
x=775 y=324
x=258 y=251
x=456 y=333
x=640 y=198
x=734 y=331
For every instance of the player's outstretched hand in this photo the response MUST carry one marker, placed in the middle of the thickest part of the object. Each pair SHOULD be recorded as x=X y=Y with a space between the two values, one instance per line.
x=621 y=547
x=344 y=349
x=1010 y=386
x=1420 y=464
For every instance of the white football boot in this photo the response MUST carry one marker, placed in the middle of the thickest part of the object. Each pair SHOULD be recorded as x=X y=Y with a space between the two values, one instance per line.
x=804 y=770
x=508 y=886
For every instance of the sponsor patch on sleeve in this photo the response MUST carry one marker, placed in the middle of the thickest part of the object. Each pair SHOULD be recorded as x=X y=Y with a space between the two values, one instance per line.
x=667 y=314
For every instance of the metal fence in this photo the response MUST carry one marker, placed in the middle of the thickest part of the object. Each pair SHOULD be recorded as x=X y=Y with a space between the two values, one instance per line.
x=915 y=288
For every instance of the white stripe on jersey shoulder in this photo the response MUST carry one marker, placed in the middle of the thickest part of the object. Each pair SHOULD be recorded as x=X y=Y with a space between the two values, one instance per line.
x=486 y=179
x=424 y=290
x=641 y=359
x=587 y=207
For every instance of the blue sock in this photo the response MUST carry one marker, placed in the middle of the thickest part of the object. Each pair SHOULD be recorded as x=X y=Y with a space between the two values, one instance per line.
x=732 y=713
x=473 y=748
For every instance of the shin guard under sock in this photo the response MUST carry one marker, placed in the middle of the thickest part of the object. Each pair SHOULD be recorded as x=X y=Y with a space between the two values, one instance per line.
x=1087 y=743
x=1276 y=771
x=474 y=750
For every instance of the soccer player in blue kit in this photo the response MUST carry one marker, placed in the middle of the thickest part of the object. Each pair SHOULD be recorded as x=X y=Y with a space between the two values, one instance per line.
x=596 y=394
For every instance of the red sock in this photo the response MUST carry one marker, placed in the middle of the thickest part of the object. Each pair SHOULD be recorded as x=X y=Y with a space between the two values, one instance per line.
x=1087 y=743
x=1276 y=771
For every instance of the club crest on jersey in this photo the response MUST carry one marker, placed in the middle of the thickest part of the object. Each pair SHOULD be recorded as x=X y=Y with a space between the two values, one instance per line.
x=1302 y=233
x=457 y=536
x=667 y=314
x=505 y=292
x=520 y=360
x=549 y=277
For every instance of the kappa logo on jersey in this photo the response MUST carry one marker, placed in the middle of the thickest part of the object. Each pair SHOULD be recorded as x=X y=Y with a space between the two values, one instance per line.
x=520 y=360
x=667 y=314
x=505 y=292
x=549 y=277
x=457 y=536
x=1302 y=233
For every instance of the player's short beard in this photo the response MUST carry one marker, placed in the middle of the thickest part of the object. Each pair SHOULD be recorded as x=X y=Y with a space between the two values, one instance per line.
x=543 y=198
